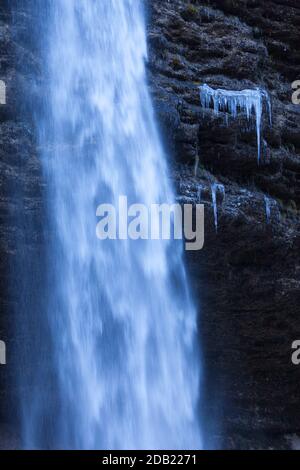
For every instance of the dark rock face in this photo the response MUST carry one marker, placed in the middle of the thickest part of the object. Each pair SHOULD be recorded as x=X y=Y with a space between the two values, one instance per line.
x=21 y=201
x=247 y=277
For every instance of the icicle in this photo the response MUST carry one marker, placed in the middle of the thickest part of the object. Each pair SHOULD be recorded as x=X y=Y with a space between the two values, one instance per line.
x=180 y=187
x=269 y=106
x=215 y=188
x=268 y=208
x=249 y=101
x=199 y=194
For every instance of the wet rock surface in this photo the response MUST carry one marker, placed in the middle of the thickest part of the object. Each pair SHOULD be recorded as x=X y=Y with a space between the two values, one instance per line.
x=21 y=201
x=247 y=277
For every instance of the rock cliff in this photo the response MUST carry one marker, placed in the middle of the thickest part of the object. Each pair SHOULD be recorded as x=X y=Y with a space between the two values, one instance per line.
x=247 y=278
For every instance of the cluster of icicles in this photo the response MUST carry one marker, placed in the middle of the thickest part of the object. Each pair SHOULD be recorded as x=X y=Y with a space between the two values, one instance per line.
x=234 y=103
x=219 y=189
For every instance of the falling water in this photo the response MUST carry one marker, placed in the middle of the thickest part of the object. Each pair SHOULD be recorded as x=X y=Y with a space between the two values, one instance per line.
x=125 y=365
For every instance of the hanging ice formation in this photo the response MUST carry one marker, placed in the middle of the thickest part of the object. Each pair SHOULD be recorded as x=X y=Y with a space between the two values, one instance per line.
x=235 y=102
x=199 y=193
x=268 y=208
x=215 y=189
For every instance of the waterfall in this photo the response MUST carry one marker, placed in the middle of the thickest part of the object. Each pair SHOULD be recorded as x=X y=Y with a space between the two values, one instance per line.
x=124 y=359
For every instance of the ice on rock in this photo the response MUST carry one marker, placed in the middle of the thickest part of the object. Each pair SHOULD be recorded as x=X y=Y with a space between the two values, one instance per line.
x=234 y=102
x=268 y=207
x=199 y=193
x=215 y=189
